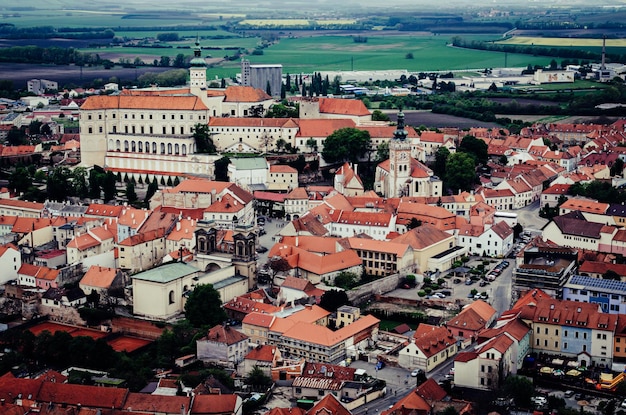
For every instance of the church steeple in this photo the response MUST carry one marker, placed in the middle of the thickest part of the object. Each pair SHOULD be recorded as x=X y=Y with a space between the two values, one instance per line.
x=400 y=133
x=197 y=70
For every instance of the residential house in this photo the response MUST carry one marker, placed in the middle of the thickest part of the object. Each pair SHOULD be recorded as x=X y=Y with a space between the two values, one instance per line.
x=263 y=357
x=554 y=194
x=573 y=230
x=10 y=262
x=217 y=405
x=494 y=241
x=430 y=347
x=488 y=366
x=296 y=203
x=282 y=178
x=248 y=172
x=142 y=251
x=472 y=319
x=103 y=281
x=55 y=297
x=609 y=295
x=93 y=242
x=545 y=267
x=347 y=181
x=298 y=289
x=21 y=208
x=222 y=345
x=381 y=258
x=433 y=248
x=256 y=326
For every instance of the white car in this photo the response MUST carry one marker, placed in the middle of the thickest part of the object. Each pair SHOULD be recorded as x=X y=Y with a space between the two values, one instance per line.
x=539 y=400
x=416 y=372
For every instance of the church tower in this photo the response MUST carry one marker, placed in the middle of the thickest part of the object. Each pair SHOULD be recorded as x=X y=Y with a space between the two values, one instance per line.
x=244 y=257
x=197 y=71
x=399 y=161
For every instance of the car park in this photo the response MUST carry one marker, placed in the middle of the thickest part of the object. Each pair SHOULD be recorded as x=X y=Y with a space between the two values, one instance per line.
x=469 y=281
x=482 y=283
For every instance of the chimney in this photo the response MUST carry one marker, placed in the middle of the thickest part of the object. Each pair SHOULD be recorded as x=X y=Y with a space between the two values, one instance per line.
x=177 y=226
x=356 y=169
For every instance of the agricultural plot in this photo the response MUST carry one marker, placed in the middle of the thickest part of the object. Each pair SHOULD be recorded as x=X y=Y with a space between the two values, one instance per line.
x=430 y=53
x=562 y=42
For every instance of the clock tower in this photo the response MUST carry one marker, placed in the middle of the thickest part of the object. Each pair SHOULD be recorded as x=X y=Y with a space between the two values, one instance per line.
x=399 y=161
x=197 y=71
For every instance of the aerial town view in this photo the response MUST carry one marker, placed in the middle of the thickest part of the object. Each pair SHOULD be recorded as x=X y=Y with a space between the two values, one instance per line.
x=308 y=208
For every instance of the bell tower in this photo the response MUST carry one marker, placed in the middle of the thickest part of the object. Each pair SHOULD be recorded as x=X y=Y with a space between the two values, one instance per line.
x=244 y=257
x=399 y=160
x=197 y=70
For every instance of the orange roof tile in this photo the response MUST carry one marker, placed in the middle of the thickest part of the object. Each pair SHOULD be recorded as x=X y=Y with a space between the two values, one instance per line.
x=214 y=404
x=237 y=93
x=225 y=334
x=143 y=237
x=322 y=127
x=338 y=106
x=145 y=101
x=262 y=353
x=258 y=319
x=83 y=242
x=21 y=204
x=252 y=122
x=281 y=168
x=155 y=403
x=97 y=276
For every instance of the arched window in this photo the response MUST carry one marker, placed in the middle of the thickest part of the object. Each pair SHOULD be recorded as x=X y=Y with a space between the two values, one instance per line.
x=110 y=145
x=162 y=148
x=147 y=144
x=133 y=146
x=154 y=147
x=140 y=146
x=184 y=149
x=169 y=148
x=125 y=145
x=176 y=149
x=171 y=297
x=117 y=145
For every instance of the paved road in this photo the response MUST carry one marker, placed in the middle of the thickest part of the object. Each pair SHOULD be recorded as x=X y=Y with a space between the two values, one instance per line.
x=529 y=218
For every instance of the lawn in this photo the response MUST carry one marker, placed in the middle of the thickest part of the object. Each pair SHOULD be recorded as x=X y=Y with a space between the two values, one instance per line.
x=561 y=42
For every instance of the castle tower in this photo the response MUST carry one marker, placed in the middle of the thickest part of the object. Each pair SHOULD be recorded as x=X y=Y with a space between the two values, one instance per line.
x=197 y=71
x=399 y=161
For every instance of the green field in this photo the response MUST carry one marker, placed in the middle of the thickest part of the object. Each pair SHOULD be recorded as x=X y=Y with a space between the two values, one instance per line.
x=341 y=53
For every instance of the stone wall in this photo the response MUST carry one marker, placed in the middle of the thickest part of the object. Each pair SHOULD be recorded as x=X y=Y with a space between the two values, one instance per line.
x=383 y=285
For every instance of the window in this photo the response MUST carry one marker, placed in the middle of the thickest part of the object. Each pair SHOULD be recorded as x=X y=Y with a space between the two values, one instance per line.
x=171 y=296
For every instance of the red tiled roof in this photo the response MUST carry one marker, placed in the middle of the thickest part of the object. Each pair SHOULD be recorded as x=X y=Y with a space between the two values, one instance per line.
x=145 y=101
x=224 y=334
x=87 y=396
x=237 y=93
x=262 y=353
x=338 y=106
x=214 y=404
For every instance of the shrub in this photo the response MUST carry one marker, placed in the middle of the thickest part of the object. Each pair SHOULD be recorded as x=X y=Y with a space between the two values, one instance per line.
x=421 y=293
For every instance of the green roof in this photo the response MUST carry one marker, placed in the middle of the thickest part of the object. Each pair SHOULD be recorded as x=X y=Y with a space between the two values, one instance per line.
x=249 y=163
x=166 y=273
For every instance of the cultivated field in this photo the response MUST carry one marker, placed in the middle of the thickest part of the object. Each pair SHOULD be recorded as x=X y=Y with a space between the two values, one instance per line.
x=562 y=41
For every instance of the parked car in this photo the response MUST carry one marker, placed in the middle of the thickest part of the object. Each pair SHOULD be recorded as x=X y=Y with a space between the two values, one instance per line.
x=416 y=372
x=260 y=249
x=623 y=404
x=469 y=281
x=568 y=393
x=482 y=283
x=456 y=280
x=539 y=400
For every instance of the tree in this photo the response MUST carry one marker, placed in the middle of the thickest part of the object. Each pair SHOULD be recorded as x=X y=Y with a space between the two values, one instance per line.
x=414 y=223
x=79 y=182
x=520 y=389
x=311 y=143
x=16 y=136
x=449 y=410
x=476 y=147
x=164 y=61
x=333 y=299
x=460 y=172
x=58 y=184
x=179 y=61
x=278 y=265
x=266 y=140
x=408 y=56
x=268 y=89
x=108 y=186
x=221 y=169
x=441 y=159
x=517 y=230
x=131 y=195
x=257 y=379
x=346 y=144
x=280 y=145
x=382 y=151
x=204 y=307
x=378 y=115
x=153 y=186
x=202 y=137
x=346 y=280
x=611 y=275
x=503 y=160
x=617 y=168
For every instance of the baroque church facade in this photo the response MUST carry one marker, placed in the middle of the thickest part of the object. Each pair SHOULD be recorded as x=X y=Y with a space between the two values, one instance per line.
x=401 y=174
